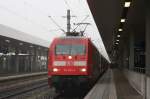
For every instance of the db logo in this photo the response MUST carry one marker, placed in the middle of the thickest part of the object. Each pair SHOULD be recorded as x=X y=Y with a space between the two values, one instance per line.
x=69 y=70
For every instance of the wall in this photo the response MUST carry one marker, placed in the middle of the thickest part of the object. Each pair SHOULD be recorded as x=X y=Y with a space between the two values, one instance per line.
x=148 y=88
x=140 y=82
x=137 y=80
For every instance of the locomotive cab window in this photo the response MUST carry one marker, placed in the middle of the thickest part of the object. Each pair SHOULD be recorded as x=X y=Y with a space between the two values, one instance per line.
x=76 y=49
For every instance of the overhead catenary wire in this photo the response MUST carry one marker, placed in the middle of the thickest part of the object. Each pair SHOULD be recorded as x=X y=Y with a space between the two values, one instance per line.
x=19 y=14
x=85 y=28
x=57 y=24
x=81 y=22
x=67 y=4
x=49 y=16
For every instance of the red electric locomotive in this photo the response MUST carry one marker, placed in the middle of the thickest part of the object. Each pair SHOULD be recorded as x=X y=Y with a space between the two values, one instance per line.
x=73 y=61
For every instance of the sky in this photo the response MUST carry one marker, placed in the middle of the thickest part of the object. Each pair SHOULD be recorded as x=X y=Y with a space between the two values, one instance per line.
x=36 y=17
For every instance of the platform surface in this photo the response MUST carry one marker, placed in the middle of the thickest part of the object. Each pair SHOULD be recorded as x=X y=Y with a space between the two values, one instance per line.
x=123 y=88
x=113 y=85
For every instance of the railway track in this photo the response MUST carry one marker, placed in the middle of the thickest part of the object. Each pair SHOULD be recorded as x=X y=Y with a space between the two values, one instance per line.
x=21 y=92
x=28 y=87
x=24 y=87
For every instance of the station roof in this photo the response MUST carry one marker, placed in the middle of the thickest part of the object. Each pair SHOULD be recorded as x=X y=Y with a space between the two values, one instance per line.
x=18 y=35
x=108 y=13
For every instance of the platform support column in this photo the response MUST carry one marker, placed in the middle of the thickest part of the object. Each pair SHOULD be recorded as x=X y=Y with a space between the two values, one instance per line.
x=148 y=38
x=126 y=56
x=17 y=59
x=147 y=49
x=131 y=51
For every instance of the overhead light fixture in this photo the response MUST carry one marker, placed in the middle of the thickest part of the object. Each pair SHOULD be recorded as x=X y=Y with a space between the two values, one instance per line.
x=117 y=43
x=120 y=29
x=127 y=4
x=122 y=20
x=117 y=40
x=118 y=35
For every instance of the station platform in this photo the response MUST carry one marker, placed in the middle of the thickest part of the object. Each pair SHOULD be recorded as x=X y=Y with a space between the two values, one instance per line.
x=113 y=85
x=16 y=76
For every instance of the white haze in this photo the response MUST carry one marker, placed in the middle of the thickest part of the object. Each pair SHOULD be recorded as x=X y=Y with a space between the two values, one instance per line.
x=31 y=16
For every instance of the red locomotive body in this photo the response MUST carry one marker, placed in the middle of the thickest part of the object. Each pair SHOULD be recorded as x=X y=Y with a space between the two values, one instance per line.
x=73 y=61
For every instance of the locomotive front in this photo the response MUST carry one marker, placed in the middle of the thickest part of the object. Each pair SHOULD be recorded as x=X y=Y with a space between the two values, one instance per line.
x=68 y=62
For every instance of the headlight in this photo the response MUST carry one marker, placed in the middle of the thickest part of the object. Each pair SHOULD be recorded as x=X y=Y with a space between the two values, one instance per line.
x=83 y=69
x=55 y=69
x=80 y=63
x=69 y=57
x=59 y=63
